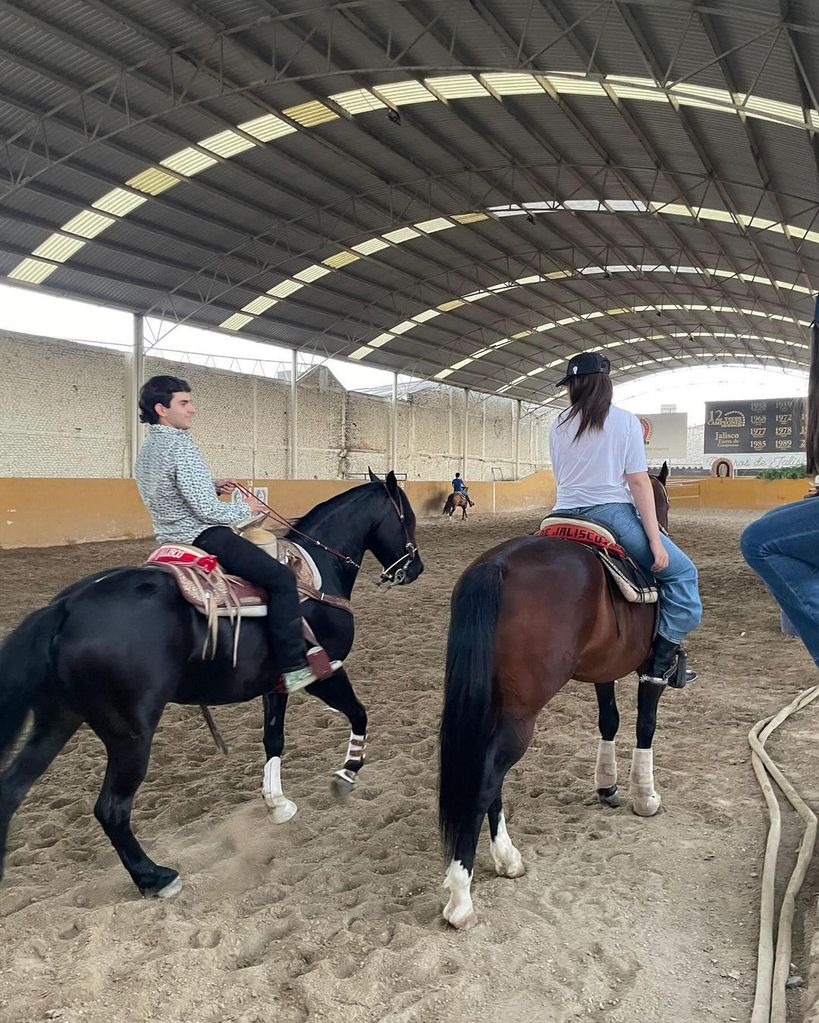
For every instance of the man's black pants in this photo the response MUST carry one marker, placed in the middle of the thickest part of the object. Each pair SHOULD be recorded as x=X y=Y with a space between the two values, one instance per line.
x=241 y=557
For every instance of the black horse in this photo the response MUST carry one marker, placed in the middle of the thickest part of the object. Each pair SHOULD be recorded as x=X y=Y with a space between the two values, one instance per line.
x=116 y=647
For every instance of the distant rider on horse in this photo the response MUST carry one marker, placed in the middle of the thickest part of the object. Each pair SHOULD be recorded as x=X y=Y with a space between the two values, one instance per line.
x=177 y=488
x=459 y=487
x=599 y=463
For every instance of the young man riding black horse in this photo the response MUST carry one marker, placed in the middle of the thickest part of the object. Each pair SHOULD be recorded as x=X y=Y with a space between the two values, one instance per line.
x=181 y=496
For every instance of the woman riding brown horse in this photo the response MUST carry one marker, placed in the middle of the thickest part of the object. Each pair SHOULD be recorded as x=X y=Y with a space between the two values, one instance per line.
x=527 y=616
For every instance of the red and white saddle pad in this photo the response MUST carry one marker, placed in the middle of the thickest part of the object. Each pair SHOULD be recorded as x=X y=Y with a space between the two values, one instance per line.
x=183 y=554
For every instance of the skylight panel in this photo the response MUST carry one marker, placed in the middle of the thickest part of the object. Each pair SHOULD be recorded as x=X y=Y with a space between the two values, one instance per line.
x=58 y=247
x=462 y=363
x=119 y=201
x=284 y=289
x=513 y=83
x=361 y=353
x=381 y=340
x=339 y=259
x=370 y=246
x=437 y=224
x=227 y=144
x=188 y=162
x=358 y=101
x=476 y=296
x=771 y=109
x=403 y=234
x=403 y=326
x=470 y=218
x=32 y=271
x=236 y=322
x=88 y=224
x=447 y=307
x=575 y=86
x=310 y=114
x=267 y=128
x=259 y=305
x=152 y=181
x=399 y=94
x=312 y=273
x=427 y=314
x=444 y=373
x=457 y=86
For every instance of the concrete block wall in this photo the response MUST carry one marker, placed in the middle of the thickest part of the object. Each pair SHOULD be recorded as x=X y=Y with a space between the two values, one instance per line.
x=63 y=414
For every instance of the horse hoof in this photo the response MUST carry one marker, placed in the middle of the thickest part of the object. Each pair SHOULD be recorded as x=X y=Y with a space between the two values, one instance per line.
x=515 y=869
x=281 y=809
x=168 y=892
x=341 y=786
x=609 y=797
x=461 y=922
x=651 y=807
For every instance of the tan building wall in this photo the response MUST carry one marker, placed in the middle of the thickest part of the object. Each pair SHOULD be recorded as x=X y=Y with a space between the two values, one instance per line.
x=62 y=413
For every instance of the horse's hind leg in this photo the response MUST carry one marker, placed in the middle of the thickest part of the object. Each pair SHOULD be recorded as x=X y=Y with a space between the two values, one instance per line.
x=645 y=799
x=281 y=808
x=53 y=727
x=608 y=721
x=508 y=746
x=127 y=766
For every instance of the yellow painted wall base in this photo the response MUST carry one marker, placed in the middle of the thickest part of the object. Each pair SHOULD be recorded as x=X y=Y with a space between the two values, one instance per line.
x=52 y=512
x=740 y=492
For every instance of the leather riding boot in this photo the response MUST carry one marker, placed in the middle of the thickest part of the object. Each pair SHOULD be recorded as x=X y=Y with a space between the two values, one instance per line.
x=666 y=665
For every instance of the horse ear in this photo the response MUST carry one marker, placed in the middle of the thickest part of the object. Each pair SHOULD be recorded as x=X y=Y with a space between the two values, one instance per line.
x=373 y=477
x=663 y=473
x=392 y=483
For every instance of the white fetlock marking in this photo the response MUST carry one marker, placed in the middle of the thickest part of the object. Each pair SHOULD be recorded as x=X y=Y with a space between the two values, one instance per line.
x=171 y=889
x=605 y=771
x=507 y=859
x=459 y=911
x=281 y=808
x=645 y=799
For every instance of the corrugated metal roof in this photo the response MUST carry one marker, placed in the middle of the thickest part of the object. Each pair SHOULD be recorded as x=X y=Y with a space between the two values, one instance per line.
x=200 y=179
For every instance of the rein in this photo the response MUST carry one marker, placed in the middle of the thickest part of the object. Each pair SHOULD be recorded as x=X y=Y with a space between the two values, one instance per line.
x=396 y=578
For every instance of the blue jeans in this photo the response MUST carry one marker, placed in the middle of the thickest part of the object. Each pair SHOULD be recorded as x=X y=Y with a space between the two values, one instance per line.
x=680 y=607
x=783 y=549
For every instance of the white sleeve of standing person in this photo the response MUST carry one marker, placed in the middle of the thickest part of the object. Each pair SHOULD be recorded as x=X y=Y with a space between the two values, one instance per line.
x=197 y=488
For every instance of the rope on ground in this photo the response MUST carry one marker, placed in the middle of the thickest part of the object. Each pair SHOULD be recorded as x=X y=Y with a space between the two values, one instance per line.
x=773 y=965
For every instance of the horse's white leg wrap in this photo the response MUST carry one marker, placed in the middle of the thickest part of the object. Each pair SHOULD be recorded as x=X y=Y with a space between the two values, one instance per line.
x=645 y=800
x=507 y=859
x=605 y=770
x=281 y=808
x=356 y=755
x=459 y=910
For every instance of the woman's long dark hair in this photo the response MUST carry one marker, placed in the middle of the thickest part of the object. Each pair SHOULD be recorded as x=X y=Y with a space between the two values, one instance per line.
x=591 y=400
x=812 y=427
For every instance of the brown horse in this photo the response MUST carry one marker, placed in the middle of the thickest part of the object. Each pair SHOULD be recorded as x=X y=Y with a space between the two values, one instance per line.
x=526 y=617
x=456 y=500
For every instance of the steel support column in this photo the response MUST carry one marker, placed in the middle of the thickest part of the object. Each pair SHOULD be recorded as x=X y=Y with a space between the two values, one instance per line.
x=136 y=369
x=293 y=420
x=465 y=436
x=394 y=424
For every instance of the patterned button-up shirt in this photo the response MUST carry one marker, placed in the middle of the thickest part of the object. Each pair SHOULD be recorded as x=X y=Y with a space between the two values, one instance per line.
x=177 y=488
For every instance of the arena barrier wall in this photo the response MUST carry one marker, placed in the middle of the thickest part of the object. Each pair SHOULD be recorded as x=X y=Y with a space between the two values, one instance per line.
x=739 y=492
x=38 y=512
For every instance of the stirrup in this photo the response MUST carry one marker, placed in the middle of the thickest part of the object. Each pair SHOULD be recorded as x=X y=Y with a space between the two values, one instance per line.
x=677 y=675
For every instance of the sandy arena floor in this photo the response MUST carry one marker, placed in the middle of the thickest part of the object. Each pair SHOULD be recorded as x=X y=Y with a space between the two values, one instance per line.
x=337 y=914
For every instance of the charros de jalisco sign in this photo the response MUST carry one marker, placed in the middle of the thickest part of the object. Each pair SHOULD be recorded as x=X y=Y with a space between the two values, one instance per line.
x=766 y=431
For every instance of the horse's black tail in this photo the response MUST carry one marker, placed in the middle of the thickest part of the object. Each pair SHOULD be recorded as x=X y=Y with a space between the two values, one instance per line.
x=467 y=721
x=447 y=505
x=25 y=661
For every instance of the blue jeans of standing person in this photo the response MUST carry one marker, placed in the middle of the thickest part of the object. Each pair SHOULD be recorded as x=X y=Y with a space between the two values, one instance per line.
x=680 y=607
x=783 y=549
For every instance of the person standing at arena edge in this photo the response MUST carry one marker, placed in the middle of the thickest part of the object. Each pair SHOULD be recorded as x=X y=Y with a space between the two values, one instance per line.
x=782 y=547
x=459 y=487
x=179 y=492
x=599 y=464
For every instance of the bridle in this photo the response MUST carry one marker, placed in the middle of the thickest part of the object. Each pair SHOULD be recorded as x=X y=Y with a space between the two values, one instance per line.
x=399 y=574
x=392 y=575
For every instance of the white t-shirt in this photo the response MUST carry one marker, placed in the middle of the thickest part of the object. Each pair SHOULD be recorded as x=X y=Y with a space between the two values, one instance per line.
x=592 y=470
